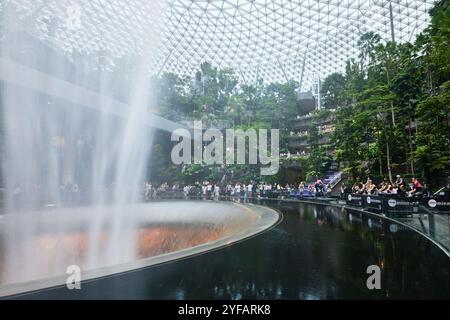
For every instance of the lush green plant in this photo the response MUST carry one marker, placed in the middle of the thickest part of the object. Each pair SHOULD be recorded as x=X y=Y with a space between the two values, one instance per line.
x=396 y=115
x=392 y=108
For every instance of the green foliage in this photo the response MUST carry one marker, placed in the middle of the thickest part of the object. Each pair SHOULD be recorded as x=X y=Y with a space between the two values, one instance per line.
x=332 y=91
x=433 y=138
x=392 y=108
x=366 y=44
x=161 y=168
x=397 y=112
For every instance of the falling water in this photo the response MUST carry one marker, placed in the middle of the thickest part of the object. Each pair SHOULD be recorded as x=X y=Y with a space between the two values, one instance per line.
x=58 y=153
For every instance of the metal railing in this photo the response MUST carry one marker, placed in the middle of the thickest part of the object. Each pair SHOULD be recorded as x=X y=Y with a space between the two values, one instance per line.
x=336 y=179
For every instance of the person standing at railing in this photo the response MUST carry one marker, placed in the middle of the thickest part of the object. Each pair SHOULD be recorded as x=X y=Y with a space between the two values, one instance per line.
x=301 y=188
x=318 y=185
x=250 y=190
x=398 y=180
x=204 y=191
x=216 y=192
x=369 y=187
x=417 y=188
x=237 y=190
x=344 y=190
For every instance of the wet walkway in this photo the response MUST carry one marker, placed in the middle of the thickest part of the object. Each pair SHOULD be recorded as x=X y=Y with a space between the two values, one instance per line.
x=434 y=225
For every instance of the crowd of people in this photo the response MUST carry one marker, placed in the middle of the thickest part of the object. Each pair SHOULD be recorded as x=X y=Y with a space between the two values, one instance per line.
x=251 y=189
x=72 y=194
x=398 y=187
x=245 y=190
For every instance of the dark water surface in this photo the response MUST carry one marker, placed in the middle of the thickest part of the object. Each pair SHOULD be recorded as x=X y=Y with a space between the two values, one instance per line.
x=316 y=252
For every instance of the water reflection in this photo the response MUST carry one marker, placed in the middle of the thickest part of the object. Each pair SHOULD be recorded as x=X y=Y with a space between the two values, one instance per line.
x=56 y=239
x=317 y=252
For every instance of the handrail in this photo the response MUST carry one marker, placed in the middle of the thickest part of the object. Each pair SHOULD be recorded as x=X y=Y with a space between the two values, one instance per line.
x=336 y=179
x=437 y=192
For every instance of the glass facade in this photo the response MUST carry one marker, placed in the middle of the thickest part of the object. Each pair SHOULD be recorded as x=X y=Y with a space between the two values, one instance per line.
x=273 y=40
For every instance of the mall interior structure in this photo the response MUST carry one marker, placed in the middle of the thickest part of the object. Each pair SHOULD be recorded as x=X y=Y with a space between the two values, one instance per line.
x=92 y=91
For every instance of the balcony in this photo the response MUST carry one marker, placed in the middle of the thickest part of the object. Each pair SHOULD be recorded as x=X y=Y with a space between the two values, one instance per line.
x=297 y=137
x=302 y=123
x=294 y=156
x=327 y=129
x=324 y=140
x=297 y=145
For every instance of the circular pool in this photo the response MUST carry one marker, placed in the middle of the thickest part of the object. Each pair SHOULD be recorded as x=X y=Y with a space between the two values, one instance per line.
x=315 y=252
x=37 y=248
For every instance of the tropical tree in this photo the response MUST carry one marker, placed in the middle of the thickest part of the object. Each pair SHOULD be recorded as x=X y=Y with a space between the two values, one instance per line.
x=433 y=109
x=332 y=91
x=367 y=43
x=392 y=107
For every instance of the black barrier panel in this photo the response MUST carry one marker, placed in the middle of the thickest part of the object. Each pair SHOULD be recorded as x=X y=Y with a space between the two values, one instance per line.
x=267 y=194
x=402 y=206
x=388 y=205
x=354 y=200
x=273 y=194
x=373 y=203
x=441 y=203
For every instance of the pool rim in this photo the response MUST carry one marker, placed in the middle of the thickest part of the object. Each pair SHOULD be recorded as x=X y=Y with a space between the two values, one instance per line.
x=263 y=224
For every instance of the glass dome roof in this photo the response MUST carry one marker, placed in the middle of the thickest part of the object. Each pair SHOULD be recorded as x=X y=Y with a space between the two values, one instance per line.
x=274 y=40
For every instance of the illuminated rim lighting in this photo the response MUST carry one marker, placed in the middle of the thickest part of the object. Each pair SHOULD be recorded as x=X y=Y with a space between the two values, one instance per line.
x=263 y=219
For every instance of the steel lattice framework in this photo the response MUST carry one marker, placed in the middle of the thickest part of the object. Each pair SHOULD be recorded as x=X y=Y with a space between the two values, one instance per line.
x=270 y=39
